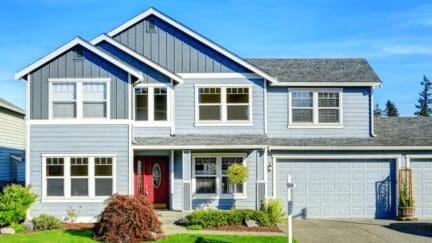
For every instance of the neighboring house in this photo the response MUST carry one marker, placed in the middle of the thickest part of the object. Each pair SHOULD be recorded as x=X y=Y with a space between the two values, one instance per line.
x=153 y=108
x=12 y=143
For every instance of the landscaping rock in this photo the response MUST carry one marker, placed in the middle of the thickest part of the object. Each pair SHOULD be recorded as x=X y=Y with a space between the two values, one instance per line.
x=251 y=223
x=28 y=225
x=182 y=221
x=7 y=231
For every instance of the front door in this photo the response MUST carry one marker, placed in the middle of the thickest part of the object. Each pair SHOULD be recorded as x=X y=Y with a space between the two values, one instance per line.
x=152 y=179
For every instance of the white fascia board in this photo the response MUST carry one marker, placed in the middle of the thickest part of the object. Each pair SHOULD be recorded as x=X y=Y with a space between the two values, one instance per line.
x=338 y=156
x=327 y=84
x=71 y=44
x=355 y=148
x=206 y=147
x=136 y=55
x=193 y=34
x=218 y=75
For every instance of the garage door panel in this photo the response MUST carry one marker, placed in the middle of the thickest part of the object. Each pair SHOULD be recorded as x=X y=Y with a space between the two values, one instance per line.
x=422 y=185
x=338 y=188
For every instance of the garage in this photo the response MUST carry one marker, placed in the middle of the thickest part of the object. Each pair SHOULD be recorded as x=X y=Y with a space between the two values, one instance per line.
x=339 y=188
x=422 y=186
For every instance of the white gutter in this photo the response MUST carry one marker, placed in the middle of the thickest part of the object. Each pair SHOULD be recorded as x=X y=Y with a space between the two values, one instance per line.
x=372 y=126
x=356 y=148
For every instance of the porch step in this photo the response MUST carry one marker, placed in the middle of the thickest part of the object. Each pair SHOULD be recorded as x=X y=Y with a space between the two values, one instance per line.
x=169 y=217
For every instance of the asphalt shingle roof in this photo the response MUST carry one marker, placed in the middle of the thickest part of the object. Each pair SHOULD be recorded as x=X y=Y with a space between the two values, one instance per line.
x=317 y=69
x=390 y=131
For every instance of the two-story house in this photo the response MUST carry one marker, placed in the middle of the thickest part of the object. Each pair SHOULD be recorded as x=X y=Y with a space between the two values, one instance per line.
x=153 y=108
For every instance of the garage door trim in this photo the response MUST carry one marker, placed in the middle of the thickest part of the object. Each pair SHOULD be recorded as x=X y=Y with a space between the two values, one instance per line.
x=395 y=157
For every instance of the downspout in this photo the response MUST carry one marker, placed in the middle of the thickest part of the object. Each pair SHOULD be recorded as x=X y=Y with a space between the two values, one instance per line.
x=372 y=126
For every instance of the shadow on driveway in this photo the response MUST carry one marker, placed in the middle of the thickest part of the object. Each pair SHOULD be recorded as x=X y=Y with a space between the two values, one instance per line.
x=421 y=229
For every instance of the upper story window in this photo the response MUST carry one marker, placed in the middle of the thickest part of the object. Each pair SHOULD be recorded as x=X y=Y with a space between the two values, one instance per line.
x=223 y=105
x=315 y=107
x=79 y=100
x=152 y=105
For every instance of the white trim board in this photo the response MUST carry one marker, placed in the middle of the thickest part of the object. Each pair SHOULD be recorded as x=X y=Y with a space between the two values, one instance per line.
x=68 y=46
x=355 y=148
x=206 y=147
x=327 y=84
x=218 y=75
x=104 y=37
x=193 y=34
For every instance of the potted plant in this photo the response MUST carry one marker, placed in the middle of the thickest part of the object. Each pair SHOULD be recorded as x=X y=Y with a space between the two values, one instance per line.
x=406 y=208
x=237 y=174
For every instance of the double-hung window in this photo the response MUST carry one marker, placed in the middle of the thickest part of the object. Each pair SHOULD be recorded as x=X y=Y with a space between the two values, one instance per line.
x=219 y=105
x=315 y=107
x=210 y=175
x=79 y=99
x=78 y=177
x=152 y=105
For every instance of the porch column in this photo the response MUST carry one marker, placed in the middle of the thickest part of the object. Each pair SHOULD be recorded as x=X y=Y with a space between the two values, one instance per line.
x=187 y=189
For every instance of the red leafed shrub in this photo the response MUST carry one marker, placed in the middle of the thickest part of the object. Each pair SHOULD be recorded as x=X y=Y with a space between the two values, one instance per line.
x=127 y=219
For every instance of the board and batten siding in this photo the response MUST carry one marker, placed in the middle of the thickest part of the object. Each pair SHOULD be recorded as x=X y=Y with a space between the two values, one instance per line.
x=185 y=108
x=356 y=118
x=79 y=139
x=66 y=66
x=174 y=50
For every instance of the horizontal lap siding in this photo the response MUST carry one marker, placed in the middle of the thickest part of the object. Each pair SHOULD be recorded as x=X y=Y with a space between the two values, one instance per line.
x=92 y=66
x=174 y=50
x=5 y=162
x=84 y=139
x=356 y=109
x=151 y=131
x=12 y=129
x=185 y=108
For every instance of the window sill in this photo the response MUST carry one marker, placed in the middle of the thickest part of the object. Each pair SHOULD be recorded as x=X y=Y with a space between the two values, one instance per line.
x=219 y=196
x=336 y=125
x=74 y=199
x=223 y=124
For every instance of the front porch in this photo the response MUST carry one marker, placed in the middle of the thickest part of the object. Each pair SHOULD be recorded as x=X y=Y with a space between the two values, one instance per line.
x=189 y=179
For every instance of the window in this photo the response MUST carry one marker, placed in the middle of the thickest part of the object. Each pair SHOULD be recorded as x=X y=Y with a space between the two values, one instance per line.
x=86 y=176
x=79 y=99
x=151 y=27
x=209 y=175
x=315 y=107
x=223 y=105
x=79 y=53
x=152 y=105
x=64 y=100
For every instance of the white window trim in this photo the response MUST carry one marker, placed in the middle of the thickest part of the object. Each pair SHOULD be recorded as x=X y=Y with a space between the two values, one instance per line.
x=218 y=194
x=79 y=99
x=223 y=121
x=67 y=178
x=151 y=122
x=315 y=109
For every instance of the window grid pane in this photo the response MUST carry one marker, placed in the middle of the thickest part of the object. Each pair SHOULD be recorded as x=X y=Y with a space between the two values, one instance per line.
x=160 y=104
x=205 y=166
x=328 y=99
x=209 y=95
x=328 y=115
x=79 y=166
x=302 y=115
x=302 y=99
x=54 y=167
x=141 y=104
x=237 y=95
x=205 y=185
x=210 y=112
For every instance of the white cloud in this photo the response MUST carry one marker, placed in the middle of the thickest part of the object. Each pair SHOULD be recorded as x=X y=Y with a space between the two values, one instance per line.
x=408 y=50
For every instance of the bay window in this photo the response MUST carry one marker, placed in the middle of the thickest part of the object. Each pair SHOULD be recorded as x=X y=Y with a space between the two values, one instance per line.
x=152 y=105
x=210 y=175
x=315 y=107
x=79 y=177
x=79 y=98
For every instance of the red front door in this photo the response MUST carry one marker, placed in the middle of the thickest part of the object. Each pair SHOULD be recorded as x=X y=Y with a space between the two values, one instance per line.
x=152 y=179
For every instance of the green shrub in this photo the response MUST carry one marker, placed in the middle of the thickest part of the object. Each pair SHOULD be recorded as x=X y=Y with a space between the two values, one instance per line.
x=14 y=202
x=46 y=222
x=194 y=227
x=211 y=217
x=19 y=228
x=275 y=210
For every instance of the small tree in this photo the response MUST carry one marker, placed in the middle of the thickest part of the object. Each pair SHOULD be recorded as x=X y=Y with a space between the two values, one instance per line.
x=425 y=99
x=377 y=110
x=391 y=109
x=237 y=174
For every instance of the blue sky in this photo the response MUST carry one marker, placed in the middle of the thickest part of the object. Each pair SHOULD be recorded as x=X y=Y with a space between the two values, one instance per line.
x=395 y=36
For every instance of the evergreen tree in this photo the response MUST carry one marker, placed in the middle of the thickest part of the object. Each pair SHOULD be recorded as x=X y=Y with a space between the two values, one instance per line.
x=391 y=109
x=377 y=110
x=425 y=99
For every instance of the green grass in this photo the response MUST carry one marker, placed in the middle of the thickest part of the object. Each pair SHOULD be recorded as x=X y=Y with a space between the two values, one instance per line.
x=78 y=236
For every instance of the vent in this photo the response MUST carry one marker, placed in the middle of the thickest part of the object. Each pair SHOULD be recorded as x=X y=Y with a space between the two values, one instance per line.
x=151 y=27
x=79 y=53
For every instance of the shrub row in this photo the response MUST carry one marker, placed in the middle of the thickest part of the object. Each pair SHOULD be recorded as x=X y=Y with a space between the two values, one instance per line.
x=211 y=217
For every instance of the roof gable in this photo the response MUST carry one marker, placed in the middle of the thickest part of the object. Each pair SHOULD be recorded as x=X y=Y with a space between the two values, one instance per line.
x=68 y=46
x=190 y=33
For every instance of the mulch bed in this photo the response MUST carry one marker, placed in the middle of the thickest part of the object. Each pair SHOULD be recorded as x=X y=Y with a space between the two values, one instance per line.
x=78 y=226
x=245 y=228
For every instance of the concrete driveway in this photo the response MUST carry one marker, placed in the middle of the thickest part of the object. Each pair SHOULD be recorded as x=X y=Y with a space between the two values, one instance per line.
x=350 y=230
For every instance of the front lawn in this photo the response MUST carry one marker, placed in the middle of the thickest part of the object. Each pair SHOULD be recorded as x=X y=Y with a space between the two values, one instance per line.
x=79 y=236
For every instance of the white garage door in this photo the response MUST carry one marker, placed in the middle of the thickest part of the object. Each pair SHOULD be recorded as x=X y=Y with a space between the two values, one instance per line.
x=422 y=185
x=339 y=188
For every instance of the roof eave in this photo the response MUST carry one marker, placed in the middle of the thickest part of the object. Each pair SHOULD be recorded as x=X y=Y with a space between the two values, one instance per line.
x=328 y=84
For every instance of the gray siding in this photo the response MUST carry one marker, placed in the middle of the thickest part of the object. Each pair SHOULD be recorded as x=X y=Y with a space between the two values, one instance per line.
x=151 y=131
x=356 y=109
x=77 y=139
x=174 y=50
x=177 y=198
x=92 y=66
x=5 y=162
x=185 y=108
